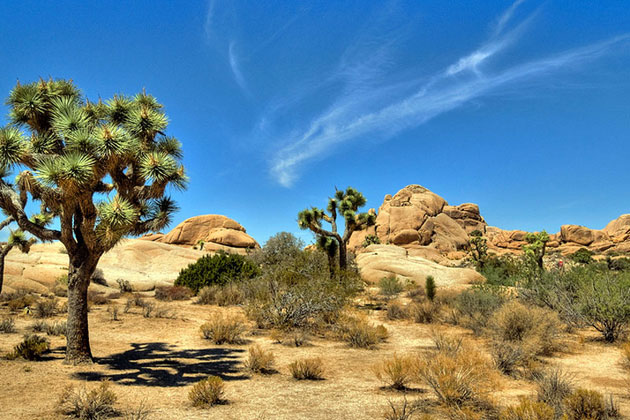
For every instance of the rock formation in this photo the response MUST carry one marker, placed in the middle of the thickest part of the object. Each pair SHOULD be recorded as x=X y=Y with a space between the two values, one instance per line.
x=217 y=233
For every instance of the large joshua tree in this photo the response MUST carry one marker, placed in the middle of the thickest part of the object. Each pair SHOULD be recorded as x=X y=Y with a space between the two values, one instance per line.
x=99 y=168
x=345 y=203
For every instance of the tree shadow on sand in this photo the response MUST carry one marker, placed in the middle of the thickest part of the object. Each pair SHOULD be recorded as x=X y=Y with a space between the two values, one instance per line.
x=161 y=364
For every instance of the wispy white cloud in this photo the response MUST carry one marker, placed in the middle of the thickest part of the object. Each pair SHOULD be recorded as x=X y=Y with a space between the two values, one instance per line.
x=353 y=114
x=236 y=67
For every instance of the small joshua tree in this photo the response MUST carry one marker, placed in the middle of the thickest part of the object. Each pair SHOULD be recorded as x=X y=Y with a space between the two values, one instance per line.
x=100 y=168
x=17 y=239
x=536 y=247
x=346 y=203
x=478 y=248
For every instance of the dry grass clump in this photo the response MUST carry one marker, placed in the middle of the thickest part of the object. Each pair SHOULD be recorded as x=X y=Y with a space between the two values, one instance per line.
x=94 y=404
x=259 y=360
x=425 y=312
x=590 y=405
x=207 y=392
x=226 y=295
x=31 y=348
x=446 y=343
x=7 y=326
x=307 y=369
x=396 y=372
x=521 y=333
x=461 y=381
x=403 y=411
x=18 y=300
x=553 y=386
x=224 y=329
x=396 y=310
x=96 y=297
x=359 y=333
x=170 y=293
x=528 y=410
x=45 y=308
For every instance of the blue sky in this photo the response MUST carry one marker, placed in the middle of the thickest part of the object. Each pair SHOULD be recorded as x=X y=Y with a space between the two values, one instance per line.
x=521 y=107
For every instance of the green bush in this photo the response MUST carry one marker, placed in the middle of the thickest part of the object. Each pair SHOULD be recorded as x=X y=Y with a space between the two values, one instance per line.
x=477 y=304
x=220 y=268
x=588 y=295
x=370 y=240
x=583 y=256
x=501 y=271
x=31 y=348
x=430 y=288
x=390 y=286
x=618 y=264
x=281 y=247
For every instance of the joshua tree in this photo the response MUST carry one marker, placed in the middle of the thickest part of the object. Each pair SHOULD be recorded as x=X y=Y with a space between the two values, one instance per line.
x=478 y=248
x=330 y=247
x=346 y=203
x=536 y=247
x=17 y=239
x=101 y=169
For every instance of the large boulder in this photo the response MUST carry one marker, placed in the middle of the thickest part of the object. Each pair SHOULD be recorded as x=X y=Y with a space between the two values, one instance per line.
x=619 y=229
x=144 y=264
x=577 y=234
x=416 y=217
x=380 y=261
x=216 y=231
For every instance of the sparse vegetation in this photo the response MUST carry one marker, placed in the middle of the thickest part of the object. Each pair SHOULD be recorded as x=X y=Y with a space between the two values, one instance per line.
x=7 y=326
x=31 y=348
x=207 y=392
x=359 y=333
x=307 y=369
x=170 y=293
x=396 y=372
x=223 y=329
x=259 y=360
x=45 y=308
x=88 y=404
x=529 y=410
x=390 y=286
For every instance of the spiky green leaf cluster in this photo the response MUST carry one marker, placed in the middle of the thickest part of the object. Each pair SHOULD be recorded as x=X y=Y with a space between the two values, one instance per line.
x=72 y=148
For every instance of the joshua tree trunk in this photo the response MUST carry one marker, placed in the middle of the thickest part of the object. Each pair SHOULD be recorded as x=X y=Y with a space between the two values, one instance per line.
x=1 y=271
x=343 y=256
x=80 y=272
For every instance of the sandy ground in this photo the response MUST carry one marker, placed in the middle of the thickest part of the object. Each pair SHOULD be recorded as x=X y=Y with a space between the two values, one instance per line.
x=158 y=360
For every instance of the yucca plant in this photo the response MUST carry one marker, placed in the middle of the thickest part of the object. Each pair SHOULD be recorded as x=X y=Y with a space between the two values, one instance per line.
x=100 y=168
x=346 y=203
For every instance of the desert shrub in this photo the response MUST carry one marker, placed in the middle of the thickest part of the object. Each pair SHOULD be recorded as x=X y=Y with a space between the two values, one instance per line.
x=60 y=290
x=148 y=309
x=207 y=392
x=141 y=412
x=396 y=372
x=170 y=293
x=521 y=333
x=370 y=240
x=31 y=348
x=94 y=404
x=96 y=297
x=278 y=249
x=7 y=325
x=307 y=369
x=228 y=295
x=259 y=360
x=529 y=410
x=502 y=271
x=45 y=308
x=552 y=387
x=98 y=277
x=299 y=293
x=124 y=286
x=477 y=304
x=396 y=310
x=57 y=328
x=583 y=256
x=445 y=343
x=220 y=268
x=585 y=404
x=430 y=288
x=18 y=301
x=223 y=329
x=113 y=311
x=403 y=411
x=459 y=380
x=586 y=295
x=359 y=333
x=39 y=326
x=424 y=312
x=618 y=264
x=207 y=295
x=162 y=312
x=390 y=286
x=416 y=292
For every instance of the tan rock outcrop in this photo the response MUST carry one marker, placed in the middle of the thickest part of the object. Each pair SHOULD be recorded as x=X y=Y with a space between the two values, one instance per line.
x=576 y=234
x=380 y=261
x=210 y=228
